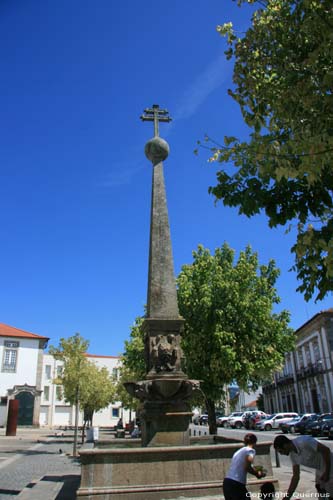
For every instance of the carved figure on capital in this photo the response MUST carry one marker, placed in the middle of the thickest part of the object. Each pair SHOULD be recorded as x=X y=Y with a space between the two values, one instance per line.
x=165 y=354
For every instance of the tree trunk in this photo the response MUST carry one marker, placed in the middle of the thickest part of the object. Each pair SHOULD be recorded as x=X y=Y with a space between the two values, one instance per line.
x=210 y=405
x=83 y=432
x=76 y=428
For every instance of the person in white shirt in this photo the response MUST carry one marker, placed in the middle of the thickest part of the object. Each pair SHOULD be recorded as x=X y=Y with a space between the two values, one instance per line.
x=234 y=484
x=306 y=450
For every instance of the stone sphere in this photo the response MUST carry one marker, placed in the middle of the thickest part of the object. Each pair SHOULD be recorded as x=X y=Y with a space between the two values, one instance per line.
x=157 y=150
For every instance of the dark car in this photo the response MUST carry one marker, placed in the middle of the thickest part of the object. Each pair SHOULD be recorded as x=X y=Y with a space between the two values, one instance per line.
x=326 y=428
x=306 y=419
x=203 y=419
x=315 y=428
x=290 y=426
x=330 y=433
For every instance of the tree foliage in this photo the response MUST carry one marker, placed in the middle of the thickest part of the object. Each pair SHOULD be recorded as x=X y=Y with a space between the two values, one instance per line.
x=82 y=380
x=99 y=389
x=231 y=332
x=133 y=366
x=283 y=76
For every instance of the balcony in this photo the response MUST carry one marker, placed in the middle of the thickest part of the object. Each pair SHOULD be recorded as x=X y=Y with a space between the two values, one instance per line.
x=310 y=370
x=285 y=379
x=268 y=388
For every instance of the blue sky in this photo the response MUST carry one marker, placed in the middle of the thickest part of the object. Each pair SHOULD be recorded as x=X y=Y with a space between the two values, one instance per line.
x=75 y=184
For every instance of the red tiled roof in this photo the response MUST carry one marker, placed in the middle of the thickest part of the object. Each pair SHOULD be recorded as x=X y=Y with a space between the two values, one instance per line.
x=10 y=331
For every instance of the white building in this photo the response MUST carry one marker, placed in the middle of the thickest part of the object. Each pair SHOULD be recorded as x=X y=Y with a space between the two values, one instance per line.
x=305 y=384
x=27 y=374
x=21 y=357
x=55 y=412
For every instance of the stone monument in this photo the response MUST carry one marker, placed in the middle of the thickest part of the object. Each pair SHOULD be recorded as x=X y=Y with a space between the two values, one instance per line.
x=162 y=465
x=166 y=391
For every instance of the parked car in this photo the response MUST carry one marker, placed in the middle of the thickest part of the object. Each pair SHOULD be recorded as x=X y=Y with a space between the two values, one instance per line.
x=295 y=424
x=259 y=426
x=330 y=433
x=236 y=422
x=325 y=430
x=277 y=419
x=203 y=419
x=223 y=421
x=302 y=424
x=246 y=419
x=306 y=418
x=315 y=427
x=290 y=426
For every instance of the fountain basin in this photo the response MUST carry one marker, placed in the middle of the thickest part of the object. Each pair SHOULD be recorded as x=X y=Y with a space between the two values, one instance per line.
x=135 y=473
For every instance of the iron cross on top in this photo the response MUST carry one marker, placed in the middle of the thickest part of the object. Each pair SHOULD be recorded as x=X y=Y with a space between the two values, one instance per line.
x=155 y=114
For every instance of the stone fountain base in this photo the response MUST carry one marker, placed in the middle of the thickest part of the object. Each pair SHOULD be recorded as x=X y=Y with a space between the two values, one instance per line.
x=166 y=410
x=135 y=473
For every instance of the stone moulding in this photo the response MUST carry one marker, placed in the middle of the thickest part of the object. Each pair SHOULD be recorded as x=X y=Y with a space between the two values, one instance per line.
x=161 y=472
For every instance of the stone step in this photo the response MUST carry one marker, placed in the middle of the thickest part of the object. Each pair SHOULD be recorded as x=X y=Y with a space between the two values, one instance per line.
x=41 y=490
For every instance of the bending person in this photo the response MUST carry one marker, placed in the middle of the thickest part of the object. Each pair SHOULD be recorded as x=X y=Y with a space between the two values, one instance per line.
x=306 y=450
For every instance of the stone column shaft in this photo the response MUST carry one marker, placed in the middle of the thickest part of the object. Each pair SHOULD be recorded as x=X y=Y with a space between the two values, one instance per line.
x=162 y=294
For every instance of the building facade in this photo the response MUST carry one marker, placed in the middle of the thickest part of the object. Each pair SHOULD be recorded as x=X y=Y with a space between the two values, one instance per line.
x=27 y=374
x=305 y=384
x=55 y=412
x=21 y=357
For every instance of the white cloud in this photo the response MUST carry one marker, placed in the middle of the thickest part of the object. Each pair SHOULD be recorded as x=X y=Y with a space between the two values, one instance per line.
x=204 y=84
x=121 y=174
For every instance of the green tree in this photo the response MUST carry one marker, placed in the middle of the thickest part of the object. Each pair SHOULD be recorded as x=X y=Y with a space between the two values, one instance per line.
x=260 y=402
x=84 y=384
x=97 y=392
x=133 y=358
x=133 y=366
x=283 y=83
x=231 y=332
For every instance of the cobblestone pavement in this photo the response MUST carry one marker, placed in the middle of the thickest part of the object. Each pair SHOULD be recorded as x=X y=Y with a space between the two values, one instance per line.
x=29 y=457
x=36 y=454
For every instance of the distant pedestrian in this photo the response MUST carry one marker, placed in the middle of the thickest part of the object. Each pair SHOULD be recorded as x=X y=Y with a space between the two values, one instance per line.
x=306 y=450
x=234 y=484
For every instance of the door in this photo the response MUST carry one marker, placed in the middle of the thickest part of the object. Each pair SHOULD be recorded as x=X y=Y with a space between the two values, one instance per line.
x=26 y=407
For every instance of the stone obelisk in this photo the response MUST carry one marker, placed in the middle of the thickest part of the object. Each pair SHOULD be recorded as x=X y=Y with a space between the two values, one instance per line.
x=166 y=391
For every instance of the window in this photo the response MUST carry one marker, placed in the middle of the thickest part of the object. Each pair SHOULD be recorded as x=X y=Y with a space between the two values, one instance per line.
x=46 y=393
x=59 y=371
x=59 y=392
x=308 y=354
x=316 y=351
x=10 y=356
x=48 y=372
x=115 y=412
x=287 y=370
x=115 y=372
x=300 y=359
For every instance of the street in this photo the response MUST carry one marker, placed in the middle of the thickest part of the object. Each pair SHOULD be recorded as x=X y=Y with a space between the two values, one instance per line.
x=262 y=436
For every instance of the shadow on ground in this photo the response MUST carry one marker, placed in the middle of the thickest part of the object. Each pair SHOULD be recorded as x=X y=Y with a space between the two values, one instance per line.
x=71 y=482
